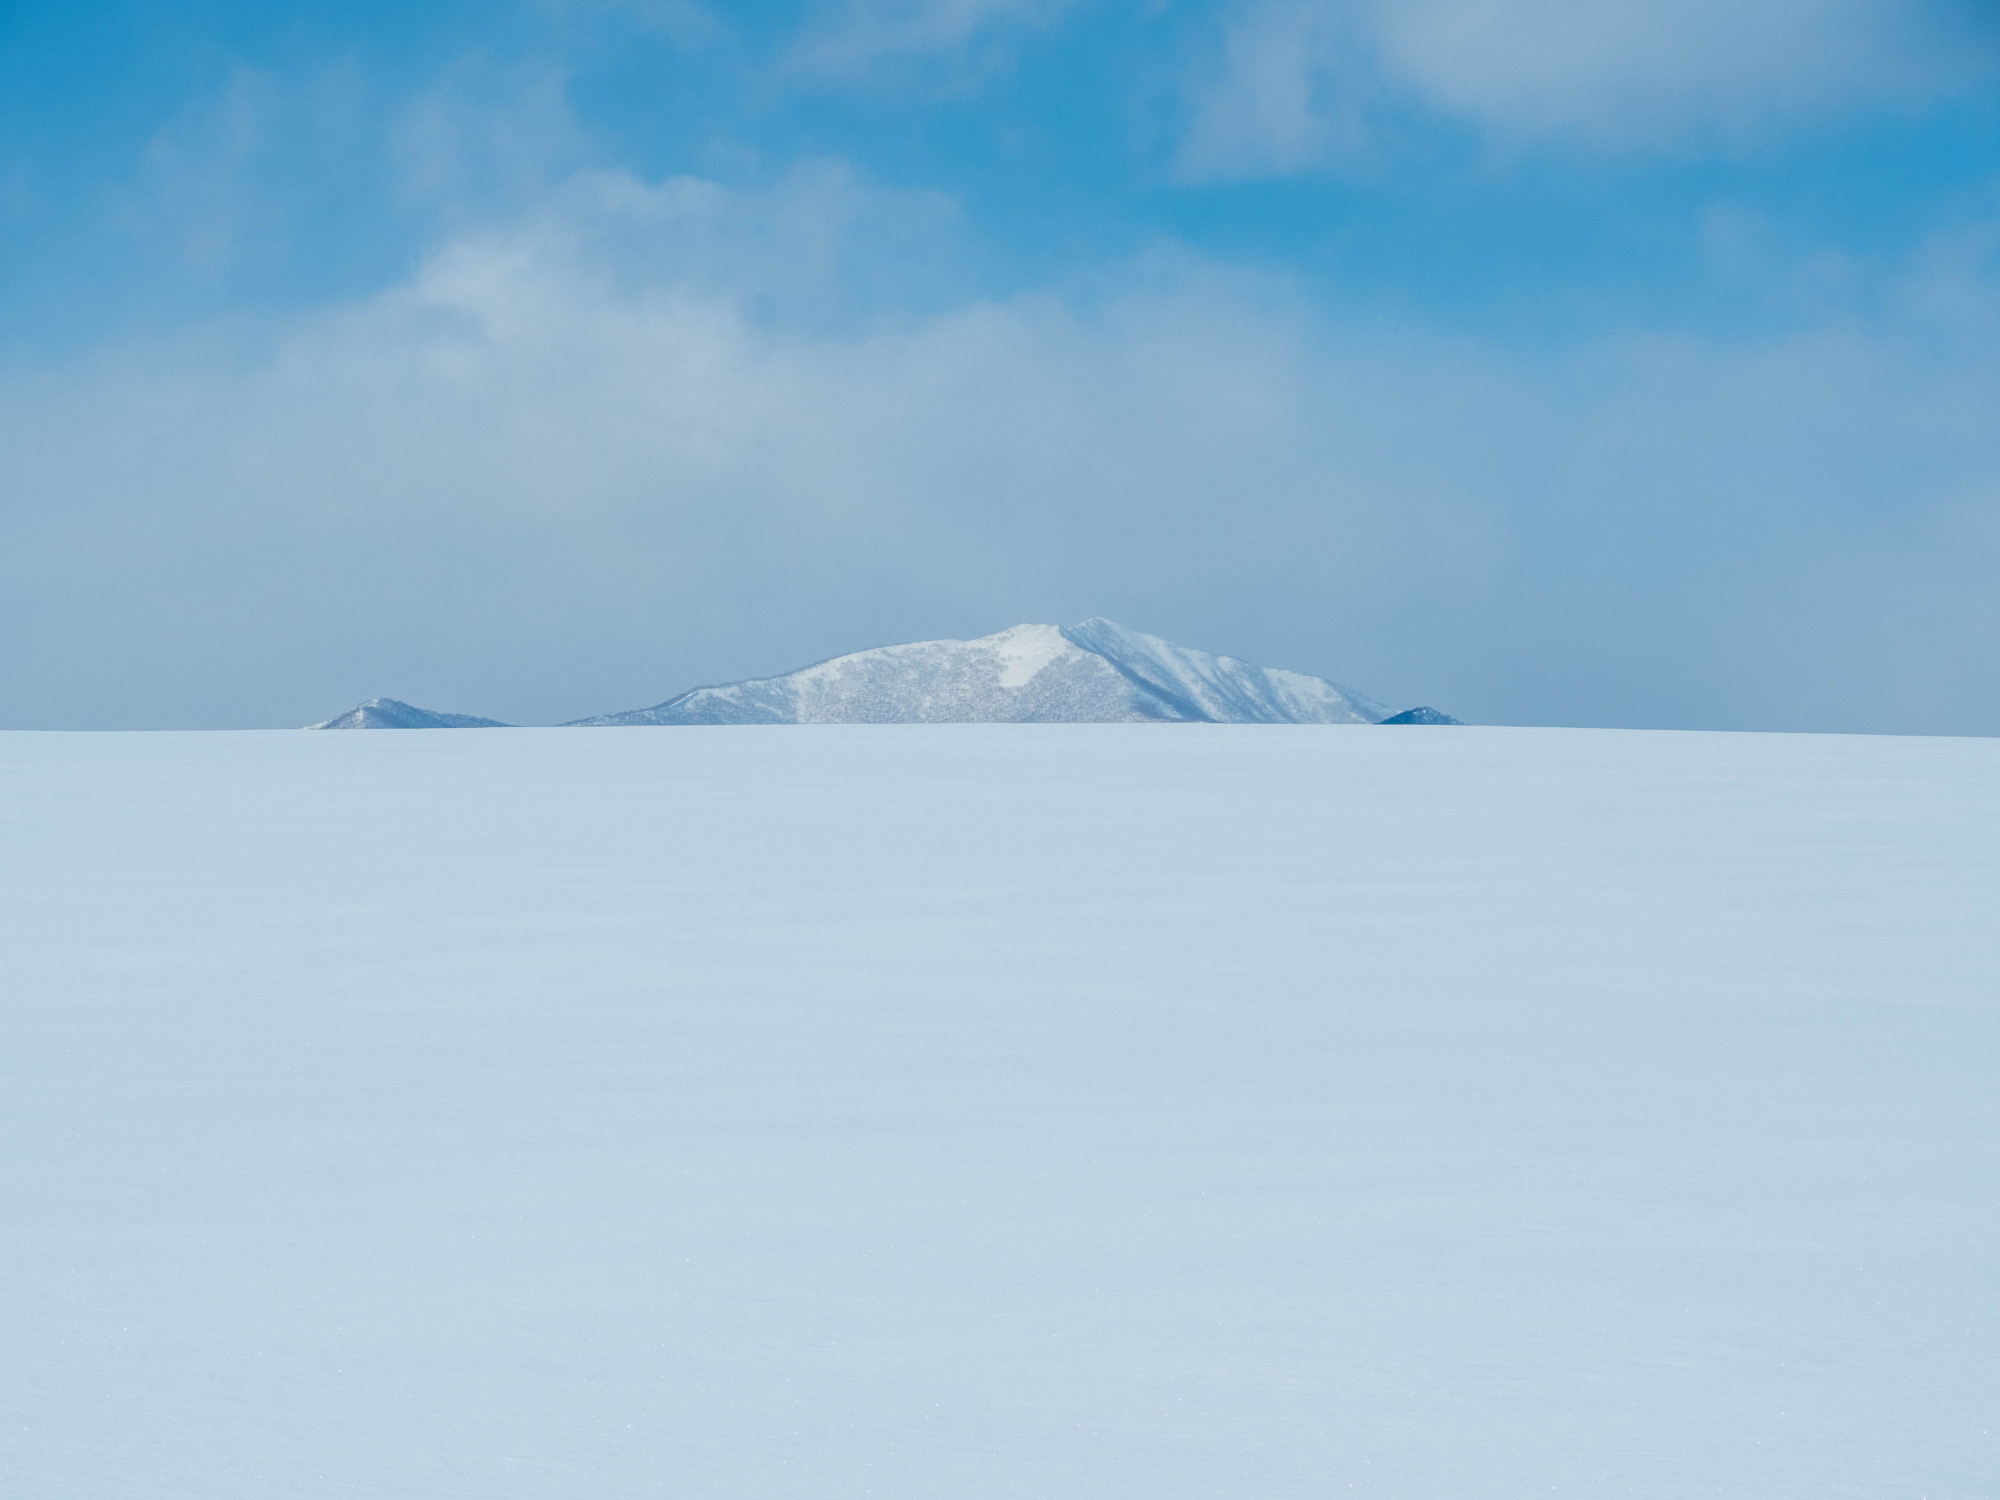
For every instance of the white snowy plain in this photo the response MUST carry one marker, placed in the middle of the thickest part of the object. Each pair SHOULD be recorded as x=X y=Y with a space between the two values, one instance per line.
x=1050 y=1112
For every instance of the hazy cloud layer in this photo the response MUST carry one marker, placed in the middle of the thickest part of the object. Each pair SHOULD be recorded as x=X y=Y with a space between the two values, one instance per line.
x=637 y=439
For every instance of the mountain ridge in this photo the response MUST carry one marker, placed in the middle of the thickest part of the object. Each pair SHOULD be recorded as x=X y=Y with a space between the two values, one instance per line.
x=1094 y=672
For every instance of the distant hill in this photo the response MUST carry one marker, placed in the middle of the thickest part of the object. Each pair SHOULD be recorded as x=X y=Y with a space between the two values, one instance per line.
x=390 y=713
x=1421 y=716
x=1096 y=673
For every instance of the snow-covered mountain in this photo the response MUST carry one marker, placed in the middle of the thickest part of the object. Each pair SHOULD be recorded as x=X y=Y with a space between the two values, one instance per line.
x=1421 y=716
x=1096 y=672
x=390 y=713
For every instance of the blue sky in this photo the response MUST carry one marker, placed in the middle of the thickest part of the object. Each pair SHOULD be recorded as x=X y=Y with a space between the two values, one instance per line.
x=1553 y=360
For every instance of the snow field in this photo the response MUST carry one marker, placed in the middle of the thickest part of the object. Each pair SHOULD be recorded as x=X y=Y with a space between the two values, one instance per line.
x=1047 y=1112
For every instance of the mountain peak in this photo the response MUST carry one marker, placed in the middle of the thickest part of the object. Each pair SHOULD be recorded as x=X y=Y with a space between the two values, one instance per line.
x=1094 y=672
x=393 y=713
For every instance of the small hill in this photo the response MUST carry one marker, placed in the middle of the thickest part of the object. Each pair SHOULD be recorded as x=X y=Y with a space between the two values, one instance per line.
x=390 y=713
x=1421 y=716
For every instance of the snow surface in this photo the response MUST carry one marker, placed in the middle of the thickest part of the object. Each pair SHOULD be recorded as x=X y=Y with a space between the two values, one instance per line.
x=1025 y=650
x=996 y=1112
x=1093 y=673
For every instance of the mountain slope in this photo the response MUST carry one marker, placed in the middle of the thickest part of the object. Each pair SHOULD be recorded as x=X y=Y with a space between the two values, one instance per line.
x=1096 y=672
x=391 y=713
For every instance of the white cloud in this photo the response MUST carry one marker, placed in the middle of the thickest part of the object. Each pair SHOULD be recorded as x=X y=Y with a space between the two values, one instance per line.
x=1291 y=78
x=595 y=457
x=197 y=190
x=494 y=136
x=1294 y=88
x=1649 y=71
x=854 y=36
